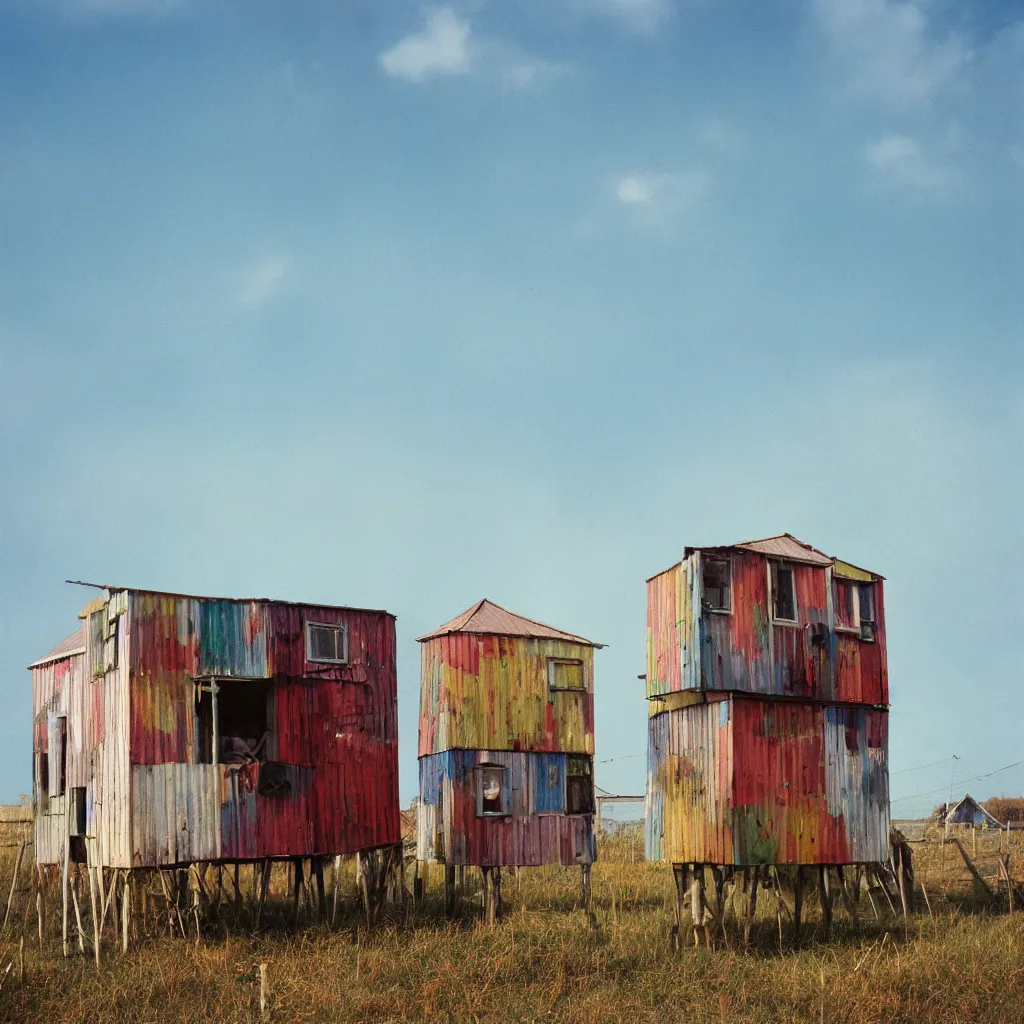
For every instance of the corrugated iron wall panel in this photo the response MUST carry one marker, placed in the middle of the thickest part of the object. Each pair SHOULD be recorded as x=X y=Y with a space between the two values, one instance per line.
x=746 y=781
x=449 y=829
x=486 y=692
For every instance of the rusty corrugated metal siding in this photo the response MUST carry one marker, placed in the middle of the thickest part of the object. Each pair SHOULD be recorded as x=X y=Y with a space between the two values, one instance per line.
x=768 y=736
x=535 y=831
x=333 y=731
x=742 y=781
x=523 y=701
x=492 y=693
x=747 y=651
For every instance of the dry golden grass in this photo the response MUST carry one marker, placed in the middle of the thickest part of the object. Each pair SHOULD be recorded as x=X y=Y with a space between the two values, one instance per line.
x=544 y=961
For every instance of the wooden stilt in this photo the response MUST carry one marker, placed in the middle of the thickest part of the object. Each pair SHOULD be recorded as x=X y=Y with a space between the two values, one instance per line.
x=238 y=891
x=94 y=913
x=798 y=900
x=755 y=876
x=498 y=908
x=14 y=884
x=80 y=931
x=848 y=901
x=697 y=903
x=296 y=887
x=264 y=887
x=126 y=910
x=336 y=883
x=318 y=874
x=825 y=896
x=584 y=886
x=449 y=890
x=40 y=907
x=64 y=895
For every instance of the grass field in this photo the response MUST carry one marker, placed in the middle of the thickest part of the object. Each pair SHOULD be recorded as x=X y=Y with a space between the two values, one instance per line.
x=545 y=960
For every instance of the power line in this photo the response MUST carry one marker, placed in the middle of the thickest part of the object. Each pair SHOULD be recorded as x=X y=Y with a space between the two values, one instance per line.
x=970 y=778
x=920 y=767
x=621 y=757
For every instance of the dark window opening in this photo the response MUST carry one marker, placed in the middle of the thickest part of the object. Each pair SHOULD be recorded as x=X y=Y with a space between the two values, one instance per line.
x=565 y=674
x=866 y=595
x=77 y=825
x=327 y=643
x=717 y=584
x=785 y=593
x=242 y=721
x=115 y=655
x=492 y=791
x=58 y=784
x=579 y=785
x=42 y=781
x=96 y=651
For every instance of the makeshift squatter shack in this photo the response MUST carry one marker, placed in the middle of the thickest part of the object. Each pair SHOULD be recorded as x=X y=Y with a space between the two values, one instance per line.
x=506 y=747
x=172 y=730
x=768 y=724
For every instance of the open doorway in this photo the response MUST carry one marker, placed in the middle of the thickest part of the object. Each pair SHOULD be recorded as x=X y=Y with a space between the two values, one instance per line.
x=242 y=721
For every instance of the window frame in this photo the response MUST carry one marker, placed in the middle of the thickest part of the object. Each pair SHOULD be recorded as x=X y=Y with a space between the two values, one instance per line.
x=552 y=662
x=480 y=771
x=589 y=775
x=775 y=569
x=341 y=627
x=706 y=560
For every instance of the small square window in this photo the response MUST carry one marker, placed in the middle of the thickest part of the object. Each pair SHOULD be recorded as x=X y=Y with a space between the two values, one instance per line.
x=784 y=590
x=717 y=584
x=326 y=643
x=565 y=674
x=491 y=791
x=579 y=785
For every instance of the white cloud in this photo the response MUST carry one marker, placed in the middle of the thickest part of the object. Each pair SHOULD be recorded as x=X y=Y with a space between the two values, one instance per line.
x=901 y=162
x=888 y=50
x=522 y=71
x=642 y=16
x=261 y=281
x=442 y=47
x=668 y=191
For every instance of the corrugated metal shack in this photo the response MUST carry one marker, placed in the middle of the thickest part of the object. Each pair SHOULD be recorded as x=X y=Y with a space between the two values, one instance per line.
x=171 y=730
x=767 y=696
x=506 y=746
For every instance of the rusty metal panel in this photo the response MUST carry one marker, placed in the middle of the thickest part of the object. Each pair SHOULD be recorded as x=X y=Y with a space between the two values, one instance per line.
x=490 y=692
x=743 y=648
x=744 y=781
x=450 y=829
x=485 y=617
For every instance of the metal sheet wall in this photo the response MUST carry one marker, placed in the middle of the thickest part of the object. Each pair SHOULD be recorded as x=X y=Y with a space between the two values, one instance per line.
x=746 y=651
x=449 y=829
x=90 y=690
x=746 y=781
x=488 y=692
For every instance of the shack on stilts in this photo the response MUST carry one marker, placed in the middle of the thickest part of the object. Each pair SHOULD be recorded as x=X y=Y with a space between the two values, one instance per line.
x=187 y=739
x=767 y=695
x=506 y=749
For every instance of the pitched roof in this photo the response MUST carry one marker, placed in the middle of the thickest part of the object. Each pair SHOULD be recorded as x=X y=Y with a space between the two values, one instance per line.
x=785 y=545
x=74 y=644
x=968 y=803
x=489 y=618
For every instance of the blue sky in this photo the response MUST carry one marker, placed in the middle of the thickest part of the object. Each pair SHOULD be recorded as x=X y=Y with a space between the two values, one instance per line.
x=399 y=305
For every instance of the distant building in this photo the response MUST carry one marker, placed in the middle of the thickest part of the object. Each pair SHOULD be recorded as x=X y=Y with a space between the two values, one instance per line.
x=506 y=743
x=768 y=709
x=171 y=729
x=969 y=812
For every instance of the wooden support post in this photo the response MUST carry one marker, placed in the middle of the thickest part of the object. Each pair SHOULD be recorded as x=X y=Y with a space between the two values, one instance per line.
x=264 y=887
x=498 y=908
x=848 y=902
x=79 y=929
x=321 y=900
x=64 y=894
x=14 y=883
x=798 y=900
x=825 y=897
x=238 y=891
x=584 y=886
x=296 y=887
x=94 y=912
x=679 y=876
x=755 y=874
x=902 y=880
x=335 y=883
x=449 y=890
x=126 y=910
x=40 y=907
x=417 y=884
x=697 y=902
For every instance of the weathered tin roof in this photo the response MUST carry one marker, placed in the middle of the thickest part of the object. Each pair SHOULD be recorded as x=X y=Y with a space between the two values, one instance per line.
x=785 y=545
x=74 y=644
x=491 y=619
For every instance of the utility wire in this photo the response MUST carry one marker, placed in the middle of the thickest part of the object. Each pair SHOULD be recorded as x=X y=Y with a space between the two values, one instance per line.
x=971 y=778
